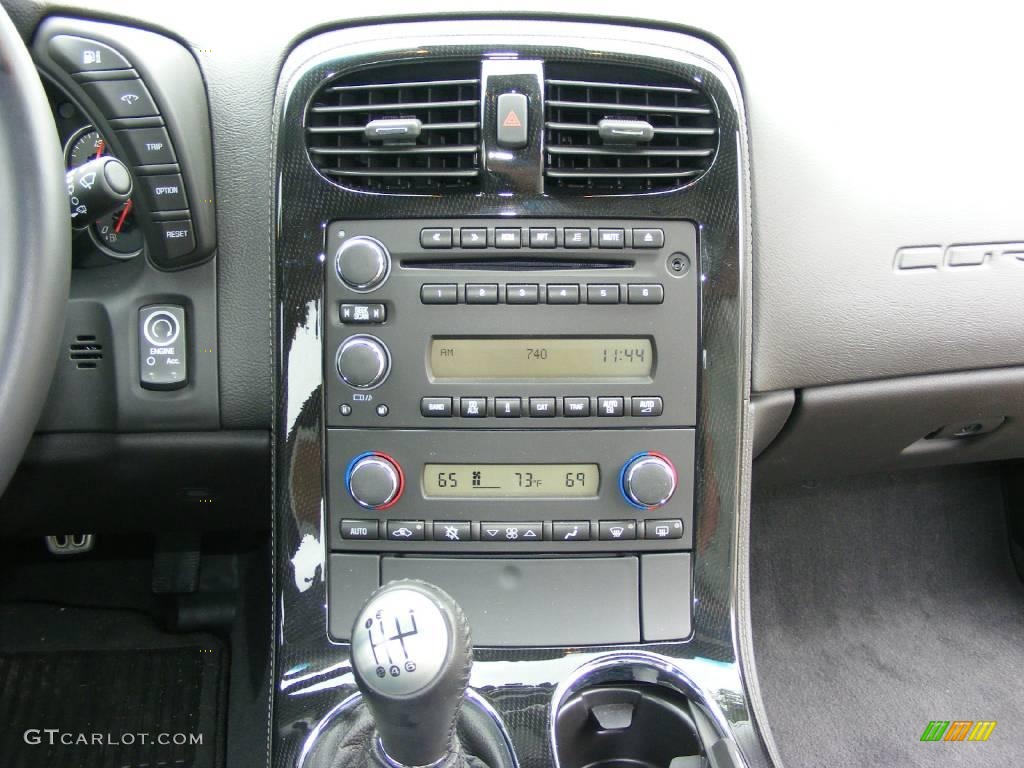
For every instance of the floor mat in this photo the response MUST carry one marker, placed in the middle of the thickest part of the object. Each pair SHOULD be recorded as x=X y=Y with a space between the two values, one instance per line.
x=146 y=700
x=881 y=603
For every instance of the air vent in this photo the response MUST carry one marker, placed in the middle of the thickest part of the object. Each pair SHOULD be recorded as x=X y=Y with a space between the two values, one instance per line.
x=399 y=129
x=612 y=130
x=86 y=352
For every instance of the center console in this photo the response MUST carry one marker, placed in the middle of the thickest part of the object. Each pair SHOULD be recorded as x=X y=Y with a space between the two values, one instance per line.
x=511 y=284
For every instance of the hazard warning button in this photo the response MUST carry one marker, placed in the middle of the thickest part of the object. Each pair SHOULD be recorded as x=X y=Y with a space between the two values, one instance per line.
x=512 y=121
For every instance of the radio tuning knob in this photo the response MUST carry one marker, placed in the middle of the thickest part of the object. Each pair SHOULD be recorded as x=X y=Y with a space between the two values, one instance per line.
x=362 y=263
x=648 y=480
x=363 y=361
x=374 y=480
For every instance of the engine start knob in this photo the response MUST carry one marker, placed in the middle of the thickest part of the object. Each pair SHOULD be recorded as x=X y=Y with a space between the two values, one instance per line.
x=648 y=480
x=374 y=480
x=362 y=263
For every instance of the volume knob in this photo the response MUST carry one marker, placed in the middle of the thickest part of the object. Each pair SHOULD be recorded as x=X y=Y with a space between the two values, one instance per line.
x=363 y=361
x=362 y=263
x=648 y=480
x=374 y=480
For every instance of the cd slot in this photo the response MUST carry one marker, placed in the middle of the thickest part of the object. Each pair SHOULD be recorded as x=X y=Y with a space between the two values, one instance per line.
x=527 y=264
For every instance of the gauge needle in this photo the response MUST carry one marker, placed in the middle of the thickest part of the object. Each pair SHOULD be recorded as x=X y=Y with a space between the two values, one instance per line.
x=102 y=145
x=121 y=218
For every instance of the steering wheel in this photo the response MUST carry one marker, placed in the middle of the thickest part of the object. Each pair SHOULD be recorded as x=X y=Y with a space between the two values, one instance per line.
x=35 y=248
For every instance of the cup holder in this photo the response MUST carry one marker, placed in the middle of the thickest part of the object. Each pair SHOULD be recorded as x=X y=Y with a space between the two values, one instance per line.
x=634 y=726
x=638 y=710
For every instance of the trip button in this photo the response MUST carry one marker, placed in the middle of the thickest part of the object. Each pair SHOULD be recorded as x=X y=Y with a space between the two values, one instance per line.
x=611 y=238
x=522 y=294
x=481 y=294
x=148 y=146
x=563 y=294
x=79 y=54
x=164 y=192
x=511 y=532
x=436 y=238
x=663 y=529
x=360 y=530
x=122 y=98
x=646 y=406
x=405 y=530
x=573 y=530
x=617 y=530
x=576 y=406
x=439 y=293
x=507 y=407
x=436 y=407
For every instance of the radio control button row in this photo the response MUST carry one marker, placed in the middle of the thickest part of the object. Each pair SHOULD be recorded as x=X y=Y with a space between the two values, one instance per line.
x=439 y=407
x=473 y=407
x=648 y=238
x=563 y=294
x=363 y=314
x=663 y=529
x=518 y=532
x=646 y=406
x=542 y=407
x=481 y=293
x=576 y=238
x=610 y=406
x=573 y=530
x=542 y=237
x=405 y=530
x=439 y=293
x=522 y=294
x=602 y=294
x=453 y=531
x=360 y=530
x=507 y=407
x=642 y=293
x=507 y=238
x=576 y=406
x=436 y=238
x=616 y=530
x=473 y=238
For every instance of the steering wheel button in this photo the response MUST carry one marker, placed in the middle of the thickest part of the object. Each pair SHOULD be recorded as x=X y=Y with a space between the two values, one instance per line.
x=164 y=192
x=148 y=146
x=122 y=98
x=79 y=54
x=177 y=240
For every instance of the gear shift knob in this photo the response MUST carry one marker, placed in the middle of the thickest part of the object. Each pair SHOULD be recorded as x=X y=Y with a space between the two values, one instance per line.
x=411 y=655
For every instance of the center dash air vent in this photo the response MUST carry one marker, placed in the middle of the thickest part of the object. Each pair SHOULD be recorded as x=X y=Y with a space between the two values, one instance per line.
x=400 y=129
x=619 y=130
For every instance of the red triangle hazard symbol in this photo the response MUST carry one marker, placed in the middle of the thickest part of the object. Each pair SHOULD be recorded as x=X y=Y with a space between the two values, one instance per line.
x=511 y=120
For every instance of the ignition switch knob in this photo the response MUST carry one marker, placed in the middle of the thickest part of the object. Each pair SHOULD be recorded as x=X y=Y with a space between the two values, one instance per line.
x=362 y=263
x=363 y=361
x=374 y=480
x=648 y=480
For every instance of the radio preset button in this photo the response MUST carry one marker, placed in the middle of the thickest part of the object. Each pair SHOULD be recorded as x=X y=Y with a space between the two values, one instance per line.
x=439 y=293
x=507 y=238
x=507 y=407
x=616 y=530
x=576 y=406
x=610 y=406
x=473 y=407
x=576 y=238
x=438 y=237
x=508 y=532
x=363 y=314
x=543 y=237
x=360 y=530
x=473 y=238
x=663 y=529
x=522 y=294
x=646 y=406
x=563 y=294
x=438 y=407
x=542 y=407
x=642 y=293
x=405 y=530
x=611 y=238
x=572 y=530
x=602 y=294
x=648 y=238
x=453 y=531
x=477 y=293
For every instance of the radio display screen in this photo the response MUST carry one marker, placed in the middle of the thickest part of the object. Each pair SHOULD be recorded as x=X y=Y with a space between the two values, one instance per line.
x=524 y=359
x=510 y=481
